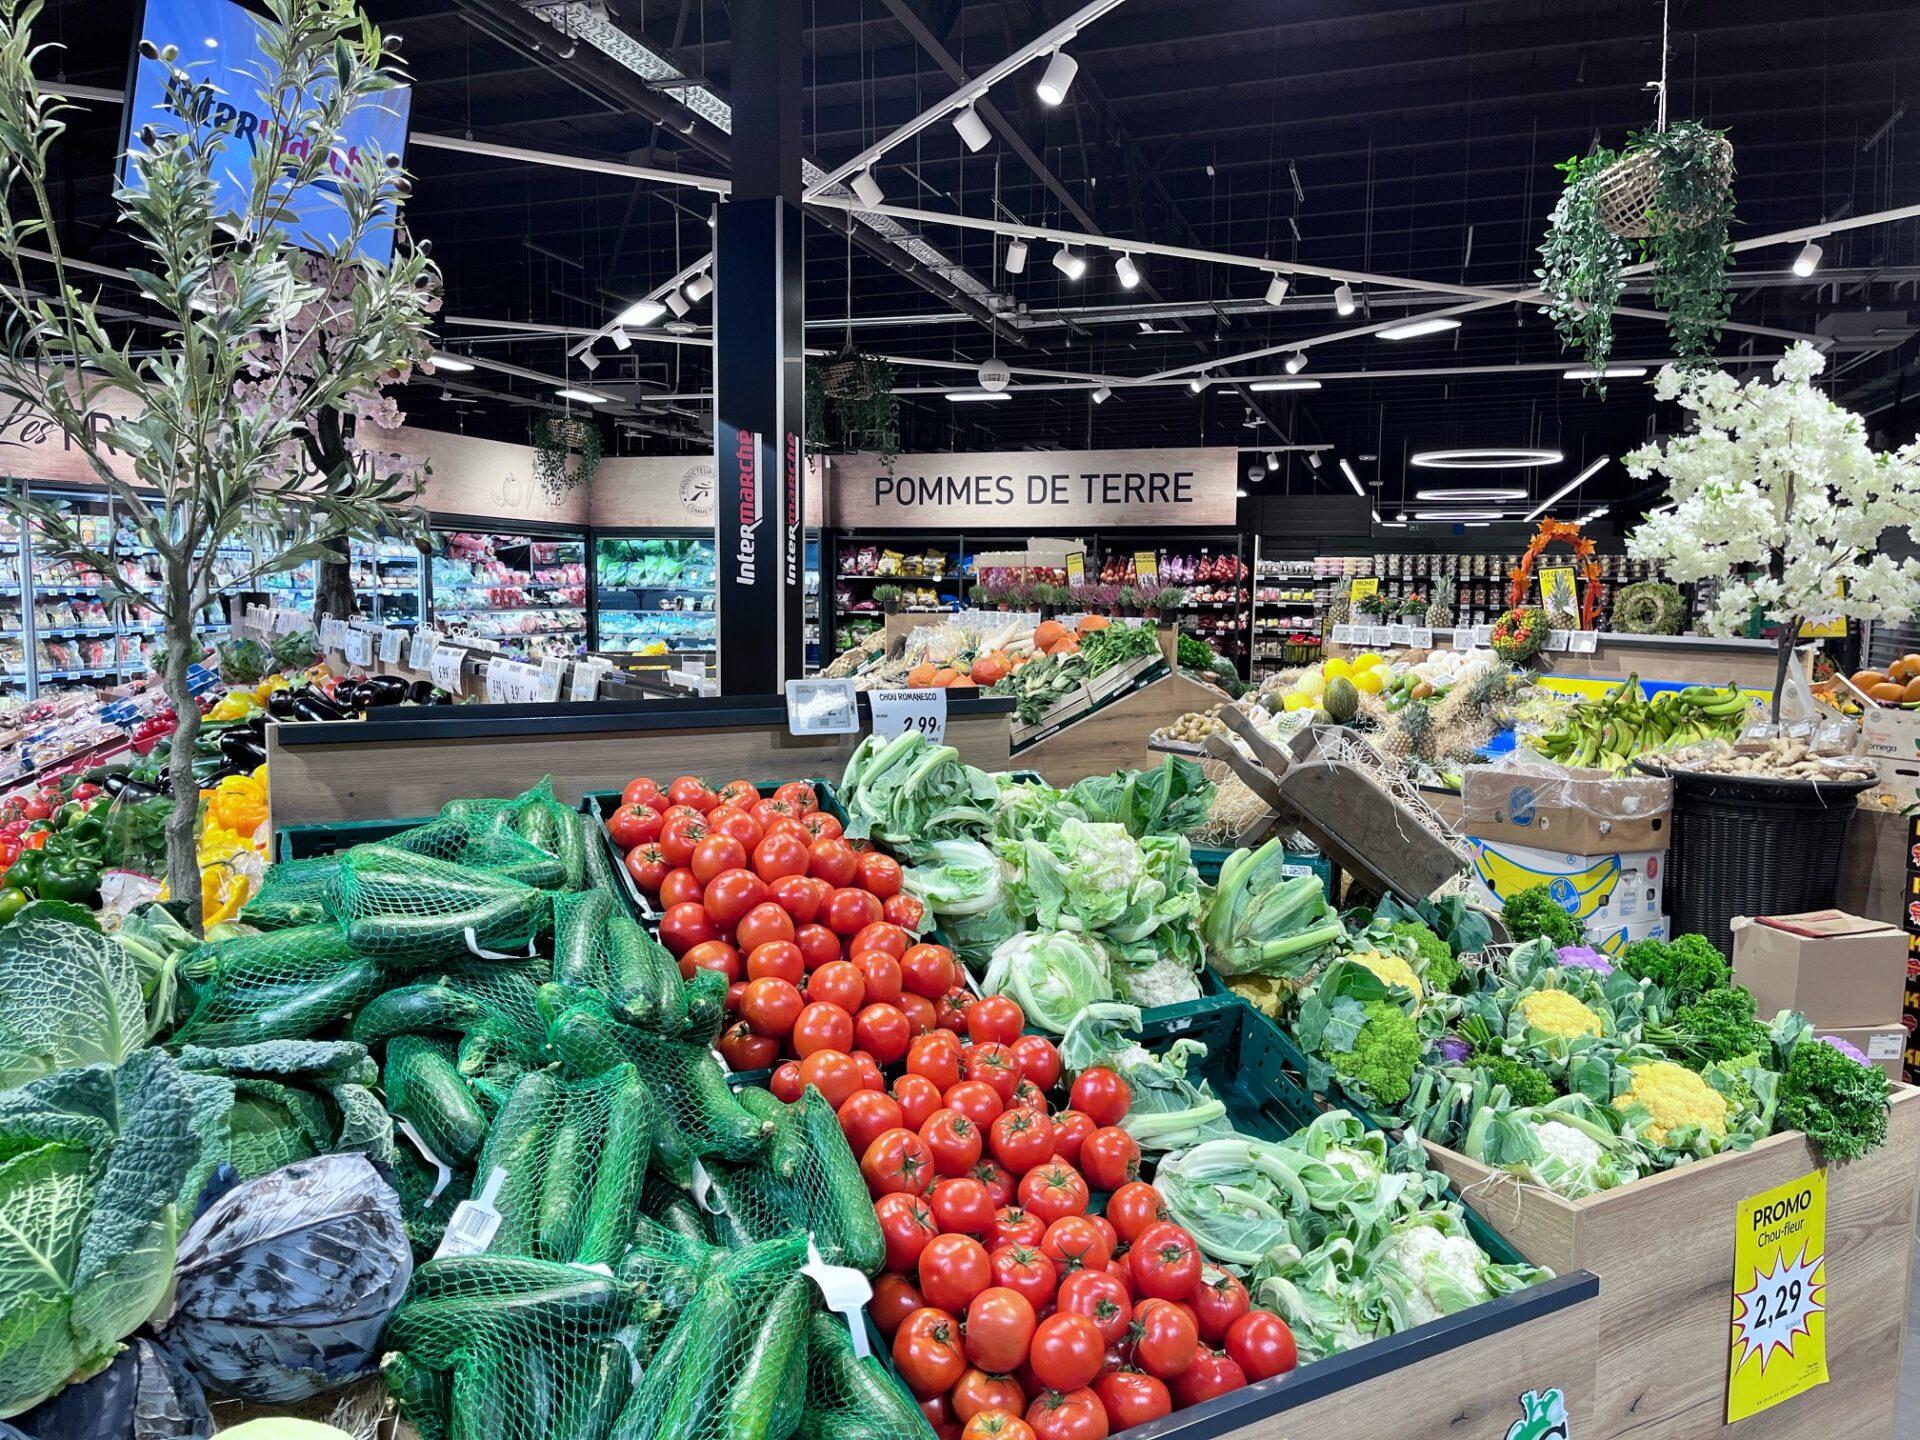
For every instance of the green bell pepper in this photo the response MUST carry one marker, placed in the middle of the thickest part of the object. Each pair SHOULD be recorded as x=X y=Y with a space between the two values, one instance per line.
x=70 y=877
x=12 y=901
x=24 y=873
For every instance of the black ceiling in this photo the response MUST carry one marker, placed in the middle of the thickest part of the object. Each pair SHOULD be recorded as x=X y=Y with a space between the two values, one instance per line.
x=1412 y=140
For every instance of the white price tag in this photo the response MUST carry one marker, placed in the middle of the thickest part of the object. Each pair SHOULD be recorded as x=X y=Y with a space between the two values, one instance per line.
x=332 y=633
x=1559 y=641
x=822 y=707
x=285 y=622
x=553 y=675
x=586 y=679
x=1585 y=642
x=445 y=667
x=474 y=1222
x=1399 y=634
x=391 y=642
x=1483 y=635
x=357 y=646
x=511 y=683
x=924 y=712
x=425 y=642
x=1343 y=634
x=1420 y=637
x=1380 y=635
x=1463 y=637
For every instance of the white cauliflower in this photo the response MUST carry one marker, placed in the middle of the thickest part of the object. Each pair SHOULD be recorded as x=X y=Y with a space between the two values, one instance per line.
x=1444 y=1271
x=1165 y=982
x=1358 y=1161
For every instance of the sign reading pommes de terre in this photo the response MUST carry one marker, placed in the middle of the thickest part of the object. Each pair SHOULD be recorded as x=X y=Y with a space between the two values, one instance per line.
x=1036 y=489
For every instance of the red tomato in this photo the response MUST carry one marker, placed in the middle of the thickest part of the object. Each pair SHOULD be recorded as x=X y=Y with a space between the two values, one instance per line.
x=818 y=945
x=894 y=1298
x=1021 y=1139
x=1218 y=1301
x=1037 y=1058
x=903 y=910
x=780 y=857
x=1014 y=1226
x=1164 y=1262
x=979 y=1391
x=961 y=1206
x=732 y=892
x=720 y=853
x=1210 y=1374
x=692 y=790
x=1109 y=1158
x=820 y=826
x=633 y=825
x=928 y=970
x=1074 y=1242
x=1133 y=1207
x=776 y=960
x=792 y=893
x=763 y=921
x=771 y=1006
x=998 y=1425
x=994 y=1064
x=1077 y=1415
x=973 y=1098
x=919 y=1097
x=938 y=1058
x=865 y=1116
x=995 y=1018
x=838 y=982
x=919 y=1012
x=880 y=935
x=685 y=926
x=850 y=911
x=739 y=792
x=907 y=1225
x=800 y=795
x=998 y=1180
x=1055 y=1189
x=735 y=989
x=1000 y=1326
x=640 y=791
x=786 y=1084
x=1261 y=1344
x=1131 y=1398
x=678 y=836
x=647 y=864
x=883 y=1031
x=742 y=1049
x=950 y=1010
x=1028 y=1096
x=878 y=874
x=938 y=1413
x=833 y=1073
x=1067 y=1351
x=1102 y=1299
x=822 y=1027
x=953 y=1140
x=771 y=812
x=870 y=1076
x=1070 y=1132
x=833 y=861
x=927 y=1352
x=897 y=1160
x=1100 y=1095
x=679 y=887
x=882 y=974
x=1164 y=1338
x=686 y=811
x=1022 y=1268
x=738 y=825
x=953 y=1269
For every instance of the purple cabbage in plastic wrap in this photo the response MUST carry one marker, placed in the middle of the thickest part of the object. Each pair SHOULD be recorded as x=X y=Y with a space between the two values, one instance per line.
x=286 y=1282
x=1852 y=1052
x=1454 y=1050
x=146 y=1394
x=1584 y=957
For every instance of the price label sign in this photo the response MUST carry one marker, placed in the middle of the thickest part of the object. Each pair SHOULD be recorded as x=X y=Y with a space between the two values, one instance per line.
x=1462 y=638
x=1399 y=634
x=357 y=645
x=1076 y=567
x=391 y=642
x=1584 y=642
x=553 y=676
x=1380 y=635
x=445 y=667
x=586 y=679
x=1420 y=637
x=1343 y=634
x=822 y=707
x=1146 y=567
x=511 y=683
x=1559 y=641
x=425 y=642
x=1483 y=635
x=924 y=712
x=1779 y=1333
x=1360 y=589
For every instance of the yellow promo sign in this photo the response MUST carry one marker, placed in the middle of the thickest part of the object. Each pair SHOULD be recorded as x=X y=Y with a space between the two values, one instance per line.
x=1558 y=594
x=1360 y=589
x=1146 y=567
x=1076 y=567
x=1779 y=1342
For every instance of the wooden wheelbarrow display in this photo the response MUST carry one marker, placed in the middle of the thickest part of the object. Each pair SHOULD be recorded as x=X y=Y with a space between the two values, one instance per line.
x=1327 y=784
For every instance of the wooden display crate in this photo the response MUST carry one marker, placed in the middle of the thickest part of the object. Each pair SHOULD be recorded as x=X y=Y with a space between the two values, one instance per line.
x=1663 y=1249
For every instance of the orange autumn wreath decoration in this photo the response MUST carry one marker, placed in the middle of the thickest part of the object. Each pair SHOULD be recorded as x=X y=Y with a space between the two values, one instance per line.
x=1548 y=533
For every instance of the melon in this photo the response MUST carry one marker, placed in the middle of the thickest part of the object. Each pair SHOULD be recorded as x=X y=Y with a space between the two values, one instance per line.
x=1342 y=700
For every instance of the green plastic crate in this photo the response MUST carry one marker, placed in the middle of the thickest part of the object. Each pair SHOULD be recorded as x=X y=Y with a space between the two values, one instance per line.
x=1208 y=859
x=304 y=842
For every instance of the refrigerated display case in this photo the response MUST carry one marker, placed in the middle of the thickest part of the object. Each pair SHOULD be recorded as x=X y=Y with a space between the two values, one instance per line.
x=527 y=592
x=655 y=593
x=386 y=580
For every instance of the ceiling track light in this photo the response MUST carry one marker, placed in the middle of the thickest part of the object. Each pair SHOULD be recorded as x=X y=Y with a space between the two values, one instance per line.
x=1808 y=260
x=589 y=362
x=1313 y=459
x=1343 y=299
x=1102 y=394
x=1069 y=263
x=1128 y=272
x=1353 y=480
x=1016 y=257
x=1273 y=460
x=1057 y=78
x=971 y=129
x=1567 y=489
x=677 y=303
x=699 y=288
x=1414 y=329
x=1197 y=384
x=1276 y=290
x=621 y=340
x=867 y=189
x=1295 y=363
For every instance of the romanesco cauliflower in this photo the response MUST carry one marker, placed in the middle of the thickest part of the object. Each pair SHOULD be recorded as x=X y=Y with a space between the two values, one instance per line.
x=1384 y=1053
x=1673 y=1096
x=1557 y=1013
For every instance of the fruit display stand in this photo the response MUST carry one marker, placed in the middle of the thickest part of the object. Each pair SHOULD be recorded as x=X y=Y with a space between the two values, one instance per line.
x=1682 y=658
x=1663 y=1247
x=1106 y=726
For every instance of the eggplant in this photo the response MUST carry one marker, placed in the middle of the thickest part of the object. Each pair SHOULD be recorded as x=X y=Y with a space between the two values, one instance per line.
x=132 y=792
x=348 y=697
x=382 y=690
x=114 y=781
x=240 y=747
x=280 y=703
x=421 y=692
x=316 y=707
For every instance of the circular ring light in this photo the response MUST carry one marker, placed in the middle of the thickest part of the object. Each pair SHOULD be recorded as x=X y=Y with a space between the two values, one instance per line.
x=1458 y=514
x=1475 y=494
x=1489 y=457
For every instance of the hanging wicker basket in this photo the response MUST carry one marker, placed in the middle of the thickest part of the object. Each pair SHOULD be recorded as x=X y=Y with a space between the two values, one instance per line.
x=848 y=379
x=1626 y=190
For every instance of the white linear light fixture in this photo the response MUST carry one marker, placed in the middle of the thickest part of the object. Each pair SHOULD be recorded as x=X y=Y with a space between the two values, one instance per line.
x=1460 y=515
x=1070 y=263
x=585 y=397
x=1414 y=329
x=1277 y=290
x=1102 y=394
x=1295 y=363
x=1591 y=515
x=1610 y=372
x=1567 y=489
x=971 y=129
x=1268 y=385
x=1058 y=77
x=452 y=364
x=1353 y=480
x=1016 y=256
x=1485 y=457
x=868 y=188
x=1475 y=494
x=960 y=396
x=1343 y=299
x=1808 y=260
x=640 y=314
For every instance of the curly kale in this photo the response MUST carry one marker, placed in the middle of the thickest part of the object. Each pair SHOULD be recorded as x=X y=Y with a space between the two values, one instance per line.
x=1525 y=1084
x=1528 y=914
x=1719 y=1026
x=1838 y=1103
x=1686 y=967
x=1380 y=1064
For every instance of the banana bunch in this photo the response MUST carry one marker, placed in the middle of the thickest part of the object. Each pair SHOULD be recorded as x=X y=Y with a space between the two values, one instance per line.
x=1606 y=734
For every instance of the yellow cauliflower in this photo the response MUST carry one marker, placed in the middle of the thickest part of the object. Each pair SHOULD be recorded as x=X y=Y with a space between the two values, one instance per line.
x=1393 y=970
x=1674 y=1096
x=1558 y=1013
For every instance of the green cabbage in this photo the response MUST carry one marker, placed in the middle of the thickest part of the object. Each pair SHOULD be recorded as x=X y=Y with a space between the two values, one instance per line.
x=1141 y=898
x=1168 y=801
x=73 y=998
x=1053 y=974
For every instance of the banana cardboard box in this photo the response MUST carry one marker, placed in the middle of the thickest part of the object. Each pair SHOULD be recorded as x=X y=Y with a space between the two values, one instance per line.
x=1603 y=892
x=1525 y=800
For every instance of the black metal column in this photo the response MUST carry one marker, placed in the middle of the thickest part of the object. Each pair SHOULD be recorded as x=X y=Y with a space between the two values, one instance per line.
x=759 y=359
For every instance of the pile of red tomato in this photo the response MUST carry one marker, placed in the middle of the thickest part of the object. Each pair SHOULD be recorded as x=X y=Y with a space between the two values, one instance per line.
x=814 y=935
x=1014 y=1311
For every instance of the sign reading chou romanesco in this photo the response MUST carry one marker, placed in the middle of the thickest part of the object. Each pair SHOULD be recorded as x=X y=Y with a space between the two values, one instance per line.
x=1779 y=1344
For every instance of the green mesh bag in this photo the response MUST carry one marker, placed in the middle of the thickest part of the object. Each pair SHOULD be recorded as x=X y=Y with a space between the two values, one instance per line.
x=289 y=984
x=497 y=851
x=535 y=817
x=597 y=946
x=428 y=1198
x=852 y=1398
x=411 y=912
x=293 y=892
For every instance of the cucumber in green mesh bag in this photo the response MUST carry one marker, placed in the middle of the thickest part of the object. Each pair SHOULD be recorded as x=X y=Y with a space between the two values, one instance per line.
x=412 y=911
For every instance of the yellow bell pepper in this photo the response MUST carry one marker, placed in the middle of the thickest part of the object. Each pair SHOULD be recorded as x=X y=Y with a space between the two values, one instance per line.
x=238 y=803
x=236 y=705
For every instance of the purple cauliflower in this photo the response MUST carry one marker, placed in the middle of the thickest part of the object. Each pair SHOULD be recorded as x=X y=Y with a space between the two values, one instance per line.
x=1584 y=957
x=1454 y=1050
x=1852 y=1052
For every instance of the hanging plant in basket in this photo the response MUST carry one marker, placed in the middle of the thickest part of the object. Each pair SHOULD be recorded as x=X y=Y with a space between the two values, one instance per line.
x=851 y=405
x=1667 y=200
x=555 y=440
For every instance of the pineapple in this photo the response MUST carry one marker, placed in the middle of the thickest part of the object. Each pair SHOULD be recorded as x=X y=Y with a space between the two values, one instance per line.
x=1440 y=612
x=1411 y=735
x=1339 y=612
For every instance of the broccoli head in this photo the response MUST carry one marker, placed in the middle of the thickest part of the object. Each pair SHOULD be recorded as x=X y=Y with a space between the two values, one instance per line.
x=1720 y=1026
x=1531 y=913
x=1686 y=967
x=1525 y=1084
x=1380 y=1064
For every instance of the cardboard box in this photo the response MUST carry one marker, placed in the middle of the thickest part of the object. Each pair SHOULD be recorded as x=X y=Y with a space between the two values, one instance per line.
x=1613 y=941
x=1884 y=1045
x=1580 y=812
x=1836 y=969
x=1604 y=892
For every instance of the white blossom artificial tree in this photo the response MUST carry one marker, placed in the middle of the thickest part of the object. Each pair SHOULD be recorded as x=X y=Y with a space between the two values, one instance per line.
x=203 y=400
x=1777 y=495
